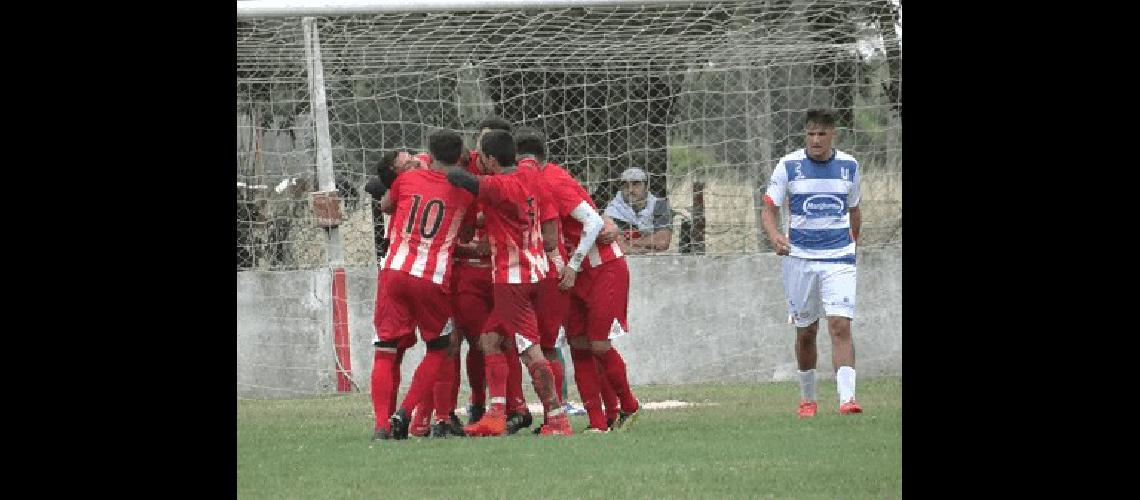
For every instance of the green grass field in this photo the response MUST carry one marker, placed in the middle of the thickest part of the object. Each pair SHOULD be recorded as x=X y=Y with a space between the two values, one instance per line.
x=742 y=441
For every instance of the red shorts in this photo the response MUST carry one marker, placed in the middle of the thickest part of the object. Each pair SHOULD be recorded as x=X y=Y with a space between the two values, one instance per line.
x=472 y=298
x=552 y=307
x=513 y=313
x=601 y=298
x=404 y=302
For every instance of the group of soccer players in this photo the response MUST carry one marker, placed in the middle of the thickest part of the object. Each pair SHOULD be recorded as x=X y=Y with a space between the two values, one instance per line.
x=502 y=248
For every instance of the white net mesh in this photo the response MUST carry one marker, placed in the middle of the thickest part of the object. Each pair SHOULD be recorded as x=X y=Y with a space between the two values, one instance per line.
x=705 y=97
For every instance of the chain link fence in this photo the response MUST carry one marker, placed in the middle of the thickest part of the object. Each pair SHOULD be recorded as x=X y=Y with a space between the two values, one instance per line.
x=704 y=97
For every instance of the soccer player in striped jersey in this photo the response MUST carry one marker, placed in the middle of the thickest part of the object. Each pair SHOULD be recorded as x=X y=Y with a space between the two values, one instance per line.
x=509 y=199
x=553 y=304
x=597 y=273
x=414 y=278
x=820 y=186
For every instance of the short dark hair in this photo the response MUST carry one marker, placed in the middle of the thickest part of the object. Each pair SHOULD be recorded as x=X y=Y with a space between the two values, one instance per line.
x=528 y=140
x=824 y=117
x=501 y=145
x=494 y=123
x=445 y=146
x=384 y=169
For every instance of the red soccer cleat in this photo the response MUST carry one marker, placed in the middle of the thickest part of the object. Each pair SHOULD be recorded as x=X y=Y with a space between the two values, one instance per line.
x=493 y=423
x=807 y=409
x=421 y=424
x=850 y=407
x=557 y=426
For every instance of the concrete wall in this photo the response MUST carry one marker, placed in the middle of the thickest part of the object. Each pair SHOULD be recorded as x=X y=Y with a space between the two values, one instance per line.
x=692 y=319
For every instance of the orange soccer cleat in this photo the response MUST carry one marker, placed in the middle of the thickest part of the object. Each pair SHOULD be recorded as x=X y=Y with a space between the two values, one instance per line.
x=493 y=423
x=557 y=426
x=850 y=407
x=807 y=409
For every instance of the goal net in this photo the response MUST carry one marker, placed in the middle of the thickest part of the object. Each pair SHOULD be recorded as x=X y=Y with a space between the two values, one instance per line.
x=704 y=96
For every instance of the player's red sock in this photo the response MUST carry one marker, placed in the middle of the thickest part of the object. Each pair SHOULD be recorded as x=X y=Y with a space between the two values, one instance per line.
x=497 y=382
x=614 y=366
x=383 y=392
x=515 y=400
x=559 y=373
x=453 y=398
x=609 y=396
x=543 y=380
x=424 y=379
x=441 y=391
x=586 y=377
x=476 y=377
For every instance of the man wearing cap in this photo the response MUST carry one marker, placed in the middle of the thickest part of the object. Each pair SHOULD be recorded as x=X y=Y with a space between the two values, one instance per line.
x=645 y=221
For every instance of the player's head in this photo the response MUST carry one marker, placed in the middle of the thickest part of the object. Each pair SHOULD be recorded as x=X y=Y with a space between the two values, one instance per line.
x=445 y=146
x=819 y=132
x=490 y=123
x=634 y=185
x=529 y=141
x=496 y=151
x=398 y=162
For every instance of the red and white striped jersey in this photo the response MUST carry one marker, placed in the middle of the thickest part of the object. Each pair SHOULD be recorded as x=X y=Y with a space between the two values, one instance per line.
x=567 y=194
x=423 y=229
x=547 y=206
x=512 y=224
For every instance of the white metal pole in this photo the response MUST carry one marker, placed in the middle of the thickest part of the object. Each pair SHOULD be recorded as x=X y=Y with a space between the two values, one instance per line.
x=325 y=176
x=291 y=8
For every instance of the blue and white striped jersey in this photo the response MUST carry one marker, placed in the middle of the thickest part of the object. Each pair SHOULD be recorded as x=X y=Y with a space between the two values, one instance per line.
x=818 y=195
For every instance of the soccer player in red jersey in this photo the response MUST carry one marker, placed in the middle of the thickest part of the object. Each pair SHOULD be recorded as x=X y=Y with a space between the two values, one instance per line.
x=512 y=224
x=566 y=195
x=414 y=280
x=597 y=273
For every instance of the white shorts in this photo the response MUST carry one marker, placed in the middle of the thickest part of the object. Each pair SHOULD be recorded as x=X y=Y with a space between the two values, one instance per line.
x=817 y=289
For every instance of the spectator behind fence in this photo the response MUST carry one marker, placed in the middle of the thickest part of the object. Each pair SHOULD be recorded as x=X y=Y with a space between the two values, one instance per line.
x=645 y=221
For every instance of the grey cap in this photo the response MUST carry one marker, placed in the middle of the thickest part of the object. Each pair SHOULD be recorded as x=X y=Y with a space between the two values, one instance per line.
x=634 y=174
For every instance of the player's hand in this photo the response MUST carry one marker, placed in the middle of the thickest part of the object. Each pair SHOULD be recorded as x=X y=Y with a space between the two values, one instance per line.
x=609 y=233
x=569 y=275
x=483 y=247
x=781 y=245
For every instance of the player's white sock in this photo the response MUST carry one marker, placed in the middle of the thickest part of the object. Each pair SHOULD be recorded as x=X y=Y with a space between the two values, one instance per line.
x=807 y=385
x=845 y=379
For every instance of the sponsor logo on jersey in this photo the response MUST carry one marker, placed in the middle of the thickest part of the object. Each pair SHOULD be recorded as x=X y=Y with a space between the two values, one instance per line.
x=823 y=205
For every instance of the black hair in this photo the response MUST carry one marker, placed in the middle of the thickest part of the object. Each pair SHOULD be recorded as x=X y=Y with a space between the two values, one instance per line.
x=384 y=169
x=493 y=123
x=529 y=140
x=501 y=145
x=824 y=117
x=445 y=146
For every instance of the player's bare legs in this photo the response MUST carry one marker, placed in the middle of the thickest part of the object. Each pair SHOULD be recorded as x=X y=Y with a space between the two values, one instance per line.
x=806 y=355
x=843 y=358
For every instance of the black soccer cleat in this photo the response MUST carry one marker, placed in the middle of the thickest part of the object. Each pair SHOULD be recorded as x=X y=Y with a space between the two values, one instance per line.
x=517 y=421
x=625 y=420
x=440 y=429
x=474 y=413
x=399 y=422
x=455 y=425
x=382 y=435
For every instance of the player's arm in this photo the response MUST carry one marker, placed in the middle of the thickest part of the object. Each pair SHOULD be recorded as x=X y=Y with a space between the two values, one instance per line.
x=855 y=216
x=463 y=179
x=386 y=204
x=777 y=187
x=591 y=225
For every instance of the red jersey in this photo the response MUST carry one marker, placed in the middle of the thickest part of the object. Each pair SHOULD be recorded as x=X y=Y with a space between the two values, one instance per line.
x=512 y=224
x=567 y=195
x=548 y=207
x=423 y=230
